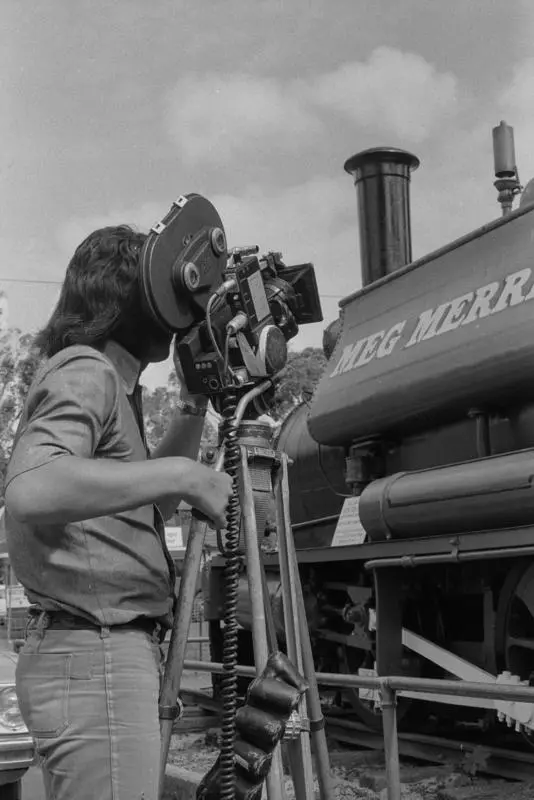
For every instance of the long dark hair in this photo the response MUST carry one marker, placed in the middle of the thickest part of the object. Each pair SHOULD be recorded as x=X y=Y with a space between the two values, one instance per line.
x=100 y=297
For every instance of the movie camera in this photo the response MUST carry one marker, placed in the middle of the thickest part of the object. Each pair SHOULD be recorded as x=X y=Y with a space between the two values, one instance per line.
x=232 y=312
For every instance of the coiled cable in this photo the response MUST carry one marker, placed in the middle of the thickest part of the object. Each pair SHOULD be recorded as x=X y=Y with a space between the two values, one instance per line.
x=231 y=578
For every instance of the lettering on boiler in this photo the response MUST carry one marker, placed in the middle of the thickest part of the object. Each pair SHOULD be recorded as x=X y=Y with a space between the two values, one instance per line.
x=518 y=287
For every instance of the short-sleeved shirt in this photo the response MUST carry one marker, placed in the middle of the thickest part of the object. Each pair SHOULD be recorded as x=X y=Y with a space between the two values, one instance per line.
x=111 y=569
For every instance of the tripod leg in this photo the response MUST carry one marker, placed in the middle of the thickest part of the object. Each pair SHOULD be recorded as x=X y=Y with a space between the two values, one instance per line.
x=317 y=723
x=258 y=602
x=299 y=749
x=178 y=644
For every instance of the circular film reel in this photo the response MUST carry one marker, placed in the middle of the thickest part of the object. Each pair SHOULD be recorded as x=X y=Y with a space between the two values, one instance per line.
x=182 y=263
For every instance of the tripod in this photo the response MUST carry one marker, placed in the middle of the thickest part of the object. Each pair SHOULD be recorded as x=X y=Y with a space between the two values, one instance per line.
x=305 y=726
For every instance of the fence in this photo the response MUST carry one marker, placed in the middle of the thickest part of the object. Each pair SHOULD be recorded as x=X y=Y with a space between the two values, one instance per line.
x=388 y=688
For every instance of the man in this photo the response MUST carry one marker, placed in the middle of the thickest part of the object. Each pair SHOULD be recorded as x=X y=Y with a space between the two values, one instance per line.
x=85 y=535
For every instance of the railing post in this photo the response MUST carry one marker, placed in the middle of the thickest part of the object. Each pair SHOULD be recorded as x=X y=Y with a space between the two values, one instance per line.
x=391 y=742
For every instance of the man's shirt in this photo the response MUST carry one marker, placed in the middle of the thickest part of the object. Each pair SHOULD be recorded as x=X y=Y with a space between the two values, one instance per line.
x=112 y=569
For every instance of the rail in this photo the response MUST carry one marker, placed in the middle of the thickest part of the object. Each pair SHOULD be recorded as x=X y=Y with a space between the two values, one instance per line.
x=388 y=688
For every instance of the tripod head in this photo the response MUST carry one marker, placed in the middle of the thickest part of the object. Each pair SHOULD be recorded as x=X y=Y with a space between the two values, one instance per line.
x=232 y=312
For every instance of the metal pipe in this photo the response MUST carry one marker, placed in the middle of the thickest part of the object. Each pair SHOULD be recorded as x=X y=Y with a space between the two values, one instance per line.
x=216 y=667
x=494 y=493
x=449 y=558
x=179 y=635
x=495 y=691
x=313 y=522
x=507 y=183
x=246 y=399
x=391 y=742
x=299 y=751
x=482 y=427
x=315 y=713
x=275 y=777
x=255 y=585
x=382 y=177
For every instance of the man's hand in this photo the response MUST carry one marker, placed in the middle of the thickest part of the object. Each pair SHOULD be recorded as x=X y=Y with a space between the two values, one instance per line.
x=183 y=435
x=209 y=493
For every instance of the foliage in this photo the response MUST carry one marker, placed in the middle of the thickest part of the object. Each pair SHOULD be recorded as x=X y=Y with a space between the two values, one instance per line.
x=158 y=409
x=295 y=384
x=297 y=380
x=19 y=361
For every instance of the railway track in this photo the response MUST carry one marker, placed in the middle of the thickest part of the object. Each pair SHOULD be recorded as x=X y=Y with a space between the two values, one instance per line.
x=471 y=756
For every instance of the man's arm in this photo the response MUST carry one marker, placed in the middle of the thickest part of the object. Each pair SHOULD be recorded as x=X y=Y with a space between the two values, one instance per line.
x=182 y=438
x=53 y=475
x=71 y=489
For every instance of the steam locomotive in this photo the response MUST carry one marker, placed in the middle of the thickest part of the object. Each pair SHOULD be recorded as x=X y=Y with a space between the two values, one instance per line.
x=411 y=477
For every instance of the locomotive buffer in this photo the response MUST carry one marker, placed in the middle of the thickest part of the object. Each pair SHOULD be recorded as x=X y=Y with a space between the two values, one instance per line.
x=284 y=697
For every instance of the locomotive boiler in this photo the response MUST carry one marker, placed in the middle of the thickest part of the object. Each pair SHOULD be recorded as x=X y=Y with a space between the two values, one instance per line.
x=412 y=498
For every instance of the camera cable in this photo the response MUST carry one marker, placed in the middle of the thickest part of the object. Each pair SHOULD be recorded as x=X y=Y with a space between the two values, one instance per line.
x=231 y=578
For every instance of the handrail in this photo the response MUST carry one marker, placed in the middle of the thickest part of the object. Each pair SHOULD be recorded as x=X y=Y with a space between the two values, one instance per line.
x=388 y=687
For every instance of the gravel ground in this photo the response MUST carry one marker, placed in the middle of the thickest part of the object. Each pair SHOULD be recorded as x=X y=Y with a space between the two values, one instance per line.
x=359 y=775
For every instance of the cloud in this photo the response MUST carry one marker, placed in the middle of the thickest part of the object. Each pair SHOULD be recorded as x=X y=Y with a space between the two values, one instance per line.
x=313 y=221
x=4 y=312
x=399 y=92
x=219 y=117
x=214 y=117
x=74 y=230
x=515 y=102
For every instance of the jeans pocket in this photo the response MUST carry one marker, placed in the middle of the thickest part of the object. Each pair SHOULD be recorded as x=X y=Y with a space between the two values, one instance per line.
x=43 y=692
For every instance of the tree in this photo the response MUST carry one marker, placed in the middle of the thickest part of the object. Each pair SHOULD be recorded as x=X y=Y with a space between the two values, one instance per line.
x=297 y=380
x=19 y=361
x=159 y=406
x=295 y=383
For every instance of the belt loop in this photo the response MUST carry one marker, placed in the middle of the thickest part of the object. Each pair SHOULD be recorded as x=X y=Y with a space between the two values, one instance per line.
x=156 y=633
x=105 y=632
x=28 y=628
x=36 y=623
x=42 y=623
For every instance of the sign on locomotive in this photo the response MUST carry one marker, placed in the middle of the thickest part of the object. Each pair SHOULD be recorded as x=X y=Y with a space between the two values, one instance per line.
x=468 y=308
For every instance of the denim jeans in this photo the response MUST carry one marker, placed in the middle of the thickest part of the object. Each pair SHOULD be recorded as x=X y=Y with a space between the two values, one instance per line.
x=90 y=700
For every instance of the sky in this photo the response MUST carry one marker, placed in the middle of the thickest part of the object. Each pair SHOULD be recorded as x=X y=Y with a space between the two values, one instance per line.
x=110 y=109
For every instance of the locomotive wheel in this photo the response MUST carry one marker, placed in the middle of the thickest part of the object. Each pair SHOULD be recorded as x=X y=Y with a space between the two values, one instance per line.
x=350 y=663
x=514 y=640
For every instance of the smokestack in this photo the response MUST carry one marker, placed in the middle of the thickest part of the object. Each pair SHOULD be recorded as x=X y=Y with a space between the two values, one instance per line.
x=382 y=180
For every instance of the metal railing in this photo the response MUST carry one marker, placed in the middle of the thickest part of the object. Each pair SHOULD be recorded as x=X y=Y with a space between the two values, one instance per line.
x=388 y=688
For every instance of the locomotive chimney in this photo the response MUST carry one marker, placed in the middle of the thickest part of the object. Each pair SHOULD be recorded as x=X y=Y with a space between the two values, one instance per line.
x=382 y=180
